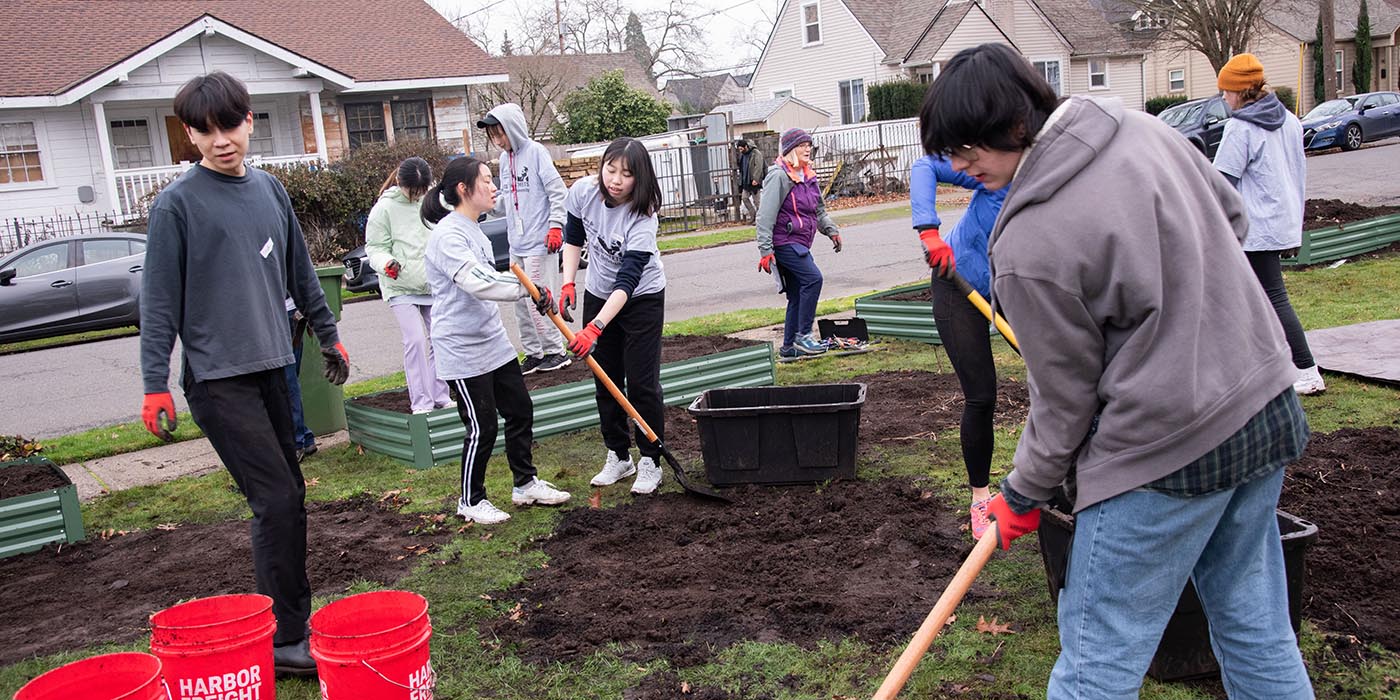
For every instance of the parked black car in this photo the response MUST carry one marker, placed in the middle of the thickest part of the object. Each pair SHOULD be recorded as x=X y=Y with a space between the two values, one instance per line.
x=1201 y=121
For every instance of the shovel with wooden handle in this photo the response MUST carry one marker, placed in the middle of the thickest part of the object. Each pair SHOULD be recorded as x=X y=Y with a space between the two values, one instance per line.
x=621 y=399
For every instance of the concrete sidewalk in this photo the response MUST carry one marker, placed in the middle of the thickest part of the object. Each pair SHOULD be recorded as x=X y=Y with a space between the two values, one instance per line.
x=157 y=465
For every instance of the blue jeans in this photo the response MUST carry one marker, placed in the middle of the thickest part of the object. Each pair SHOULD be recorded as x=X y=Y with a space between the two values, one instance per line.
x=803 y=282
x=1131 y=557
x=303 y=436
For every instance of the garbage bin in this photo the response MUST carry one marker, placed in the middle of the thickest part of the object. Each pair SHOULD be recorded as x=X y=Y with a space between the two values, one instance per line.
x=322 y=403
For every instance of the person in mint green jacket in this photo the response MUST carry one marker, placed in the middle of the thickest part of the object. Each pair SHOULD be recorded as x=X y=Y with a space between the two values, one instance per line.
x=395 y=240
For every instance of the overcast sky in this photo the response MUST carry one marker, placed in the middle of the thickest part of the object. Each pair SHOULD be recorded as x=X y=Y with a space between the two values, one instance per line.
x=726 y=22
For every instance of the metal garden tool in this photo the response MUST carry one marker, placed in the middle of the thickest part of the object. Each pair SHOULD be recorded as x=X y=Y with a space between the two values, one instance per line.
x=621 y=399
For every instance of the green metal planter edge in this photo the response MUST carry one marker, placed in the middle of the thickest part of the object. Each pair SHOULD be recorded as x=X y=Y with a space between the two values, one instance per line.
x=1347 y=240
x=29 y=522
x=909 y=320
x=426 y=439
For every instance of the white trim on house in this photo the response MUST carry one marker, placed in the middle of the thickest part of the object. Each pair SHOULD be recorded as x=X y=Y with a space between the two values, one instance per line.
x=773 y=94
x=1103 y=63
x=802 y=20
x=166 y=93
x=1062 y=89
x=204 y=25
x=41 y=140
x=1171 y=80
x=424 y=83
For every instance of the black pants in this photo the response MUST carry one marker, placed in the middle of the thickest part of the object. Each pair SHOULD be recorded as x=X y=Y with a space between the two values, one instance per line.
x=248 y=420
x=966 y=339
x=479 y=399
x=629 y=351
x=1270 y=273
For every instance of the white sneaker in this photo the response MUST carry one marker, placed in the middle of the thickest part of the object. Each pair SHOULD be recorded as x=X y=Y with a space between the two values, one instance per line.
x=483 y=512
x=614 y=470
x=538 y=491
x=648 y=476
x=1309 y=382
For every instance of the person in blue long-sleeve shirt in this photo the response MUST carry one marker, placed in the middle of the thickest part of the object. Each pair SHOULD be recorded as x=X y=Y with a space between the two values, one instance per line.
x=961 y=327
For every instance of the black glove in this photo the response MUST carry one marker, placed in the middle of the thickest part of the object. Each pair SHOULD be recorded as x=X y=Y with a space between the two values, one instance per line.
x=545 y=303
x=337 y=364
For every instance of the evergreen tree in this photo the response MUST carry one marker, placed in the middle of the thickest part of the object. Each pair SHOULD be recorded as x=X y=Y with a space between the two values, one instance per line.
x=635 y=42
x=1319 y=78
x=507 y=48
x=1361 y=65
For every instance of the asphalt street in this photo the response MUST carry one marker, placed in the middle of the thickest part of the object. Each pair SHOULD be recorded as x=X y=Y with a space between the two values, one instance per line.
x=63 y=390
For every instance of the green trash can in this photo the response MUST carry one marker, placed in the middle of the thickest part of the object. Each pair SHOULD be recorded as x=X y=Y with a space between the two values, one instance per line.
x=322 y=404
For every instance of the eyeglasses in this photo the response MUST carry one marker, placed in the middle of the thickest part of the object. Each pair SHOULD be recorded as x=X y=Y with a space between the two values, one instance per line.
x=964 y=152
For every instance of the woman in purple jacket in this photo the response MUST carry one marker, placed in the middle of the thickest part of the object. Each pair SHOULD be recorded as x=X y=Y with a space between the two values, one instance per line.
x=790 y=213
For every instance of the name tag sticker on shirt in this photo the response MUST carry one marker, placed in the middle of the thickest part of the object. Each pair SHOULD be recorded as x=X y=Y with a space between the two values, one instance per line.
x=267 y=248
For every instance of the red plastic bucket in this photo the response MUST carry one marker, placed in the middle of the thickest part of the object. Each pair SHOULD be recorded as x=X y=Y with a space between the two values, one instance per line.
x=217 y=647
x=374 y=646
x=125 y=676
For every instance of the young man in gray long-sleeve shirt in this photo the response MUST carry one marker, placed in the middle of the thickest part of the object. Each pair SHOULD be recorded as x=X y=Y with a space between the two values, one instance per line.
x=223 y=251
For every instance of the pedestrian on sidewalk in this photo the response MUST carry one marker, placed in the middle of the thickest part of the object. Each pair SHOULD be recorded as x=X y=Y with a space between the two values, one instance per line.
x=532 y=199
x=223 y=250
x=962 y=329
x=1161 y=388
x=470 y=345
x=1261 y=154
x=749 y=176
x=790 y=214
x=614 y=213
x=395 y=240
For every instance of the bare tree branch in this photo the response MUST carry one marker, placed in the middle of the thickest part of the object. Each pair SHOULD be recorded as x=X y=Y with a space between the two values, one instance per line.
x=1218 y=29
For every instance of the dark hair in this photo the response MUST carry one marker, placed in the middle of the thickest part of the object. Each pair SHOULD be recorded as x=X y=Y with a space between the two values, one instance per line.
x=458 y=171
x=646 y=193
x=215 y=99
x=413 y=176
x=987 y=96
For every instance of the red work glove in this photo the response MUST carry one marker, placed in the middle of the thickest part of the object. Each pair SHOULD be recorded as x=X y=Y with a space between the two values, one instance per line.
x=554 y=240
x=392 y=269
x=584 y=340
x=765 y=264
x=1009 y=524
x=567 y=300
x=836 y=243
x=155 y=406
x=337 y=364
x=937 y=254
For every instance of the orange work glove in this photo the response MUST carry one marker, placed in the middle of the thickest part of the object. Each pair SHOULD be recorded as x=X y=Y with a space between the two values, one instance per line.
x=152 y=408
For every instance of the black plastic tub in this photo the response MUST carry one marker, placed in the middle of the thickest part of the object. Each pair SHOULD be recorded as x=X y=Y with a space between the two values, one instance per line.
x=1184 y=652
x=779 y=434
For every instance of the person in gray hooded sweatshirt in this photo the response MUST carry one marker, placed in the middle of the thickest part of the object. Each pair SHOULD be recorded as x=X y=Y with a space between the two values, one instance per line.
x=1261 y=153
x=1160 y=383
x=532 y=198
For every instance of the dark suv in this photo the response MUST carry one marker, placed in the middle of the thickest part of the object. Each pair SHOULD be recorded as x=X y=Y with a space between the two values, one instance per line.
x=1201 y=121
x=360 y=277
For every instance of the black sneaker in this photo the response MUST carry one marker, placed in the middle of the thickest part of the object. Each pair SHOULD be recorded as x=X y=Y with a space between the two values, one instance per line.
x=788 y=352
x=553 y=362
x=531 y=364
x=293 y=660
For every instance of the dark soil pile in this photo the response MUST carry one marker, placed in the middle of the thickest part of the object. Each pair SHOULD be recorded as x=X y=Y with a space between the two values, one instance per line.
x=922 y=294
x=104 y=590
x=24 y=479
x=678 y=578
x=1325 y=213
x=1348 y=483
x=916 y=405
x=674 y=348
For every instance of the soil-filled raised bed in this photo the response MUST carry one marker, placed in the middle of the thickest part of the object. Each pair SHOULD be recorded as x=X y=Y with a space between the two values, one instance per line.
x=905 y=312
x=38 y=505
x=1333 y=229
x=564 y=399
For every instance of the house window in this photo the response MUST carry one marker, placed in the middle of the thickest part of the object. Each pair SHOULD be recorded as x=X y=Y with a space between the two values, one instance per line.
x=261 y=143
x=410 y=119
x=1339 y=56
x=1098 y=74
x=1176 y=79
x=1144 y=20
x=852 y=101
x=19 y=154
x=1050 y=70
x=785 y=92
x=811 y=24
x=131 y=144
x=364 y=123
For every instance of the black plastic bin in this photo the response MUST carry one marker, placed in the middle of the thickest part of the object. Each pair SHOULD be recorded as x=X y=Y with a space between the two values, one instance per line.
x=844 y=328
x=779 y=434
x=1184 y=652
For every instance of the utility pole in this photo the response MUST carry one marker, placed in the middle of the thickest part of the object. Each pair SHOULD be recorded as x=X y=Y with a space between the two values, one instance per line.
x=1327 y=13
x=559 y=26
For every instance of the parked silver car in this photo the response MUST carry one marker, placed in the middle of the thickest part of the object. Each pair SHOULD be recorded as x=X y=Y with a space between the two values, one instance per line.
x=68 y=285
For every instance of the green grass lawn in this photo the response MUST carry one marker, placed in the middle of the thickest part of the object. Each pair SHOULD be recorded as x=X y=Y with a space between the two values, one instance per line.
x=62 y=340
x=464 y=591
x=693 y=241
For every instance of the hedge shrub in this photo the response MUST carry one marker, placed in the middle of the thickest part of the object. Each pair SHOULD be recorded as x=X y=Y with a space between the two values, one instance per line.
x=1157 y=104
x=1287 y=97
x=895 y=99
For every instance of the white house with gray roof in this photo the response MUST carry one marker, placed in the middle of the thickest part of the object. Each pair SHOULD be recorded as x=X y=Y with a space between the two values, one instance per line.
x=774 y=114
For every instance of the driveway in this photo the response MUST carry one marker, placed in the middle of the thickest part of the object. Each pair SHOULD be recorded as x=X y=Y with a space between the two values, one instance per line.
x=1365 y=176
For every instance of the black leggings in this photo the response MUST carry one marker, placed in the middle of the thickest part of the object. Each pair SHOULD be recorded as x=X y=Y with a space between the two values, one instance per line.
x=967 y=340
x=1270 y=273
x=629 y=351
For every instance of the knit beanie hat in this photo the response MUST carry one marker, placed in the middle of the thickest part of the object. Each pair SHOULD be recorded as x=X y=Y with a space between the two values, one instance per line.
x=1241 y=73
x=792 y=138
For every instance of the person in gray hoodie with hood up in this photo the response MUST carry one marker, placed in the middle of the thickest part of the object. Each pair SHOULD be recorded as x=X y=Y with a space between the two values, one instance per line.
x=532 y=199
x=1161 y=388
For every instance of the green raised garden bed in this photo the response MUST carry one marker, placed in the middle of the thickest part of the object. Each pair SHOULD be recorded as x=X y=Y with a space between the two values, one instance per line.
x=426 y=439
x=909 y=320
x=1347 y=240
x=30 y=521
